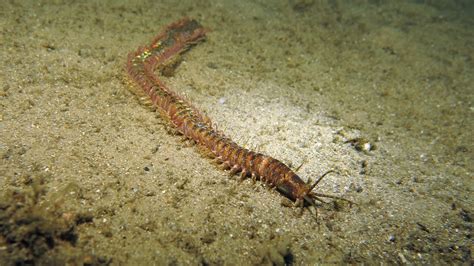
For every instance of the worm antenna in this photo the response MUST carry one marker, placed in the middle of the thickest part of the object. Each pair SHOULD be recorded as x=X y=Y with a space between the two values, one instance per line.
x=319 y=179
x=316 y=195
x=298 y=168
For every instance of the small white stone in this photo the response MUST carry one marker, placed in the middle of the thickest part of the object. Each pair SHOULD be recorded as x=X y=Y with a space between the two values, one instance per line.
x=391 y=238
x=367 y=146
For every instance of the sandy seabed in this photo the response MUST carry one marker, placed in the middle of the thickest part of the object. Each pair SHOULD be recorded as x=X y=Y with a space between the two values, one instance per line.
x=379 y=91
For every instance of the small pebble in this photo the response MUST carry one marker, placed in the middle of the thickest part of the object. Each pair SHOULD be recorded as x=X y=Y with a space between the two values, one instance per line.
x=391 y=238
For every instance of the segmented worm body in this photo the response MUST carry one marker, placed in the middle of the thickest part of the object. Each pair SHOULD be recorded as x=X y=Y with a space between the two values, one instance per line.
x=164 y=51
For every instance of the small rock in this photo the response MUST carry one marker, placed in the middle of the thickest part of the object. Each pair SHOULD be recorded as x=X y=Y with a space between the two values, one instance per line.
x=391 y=238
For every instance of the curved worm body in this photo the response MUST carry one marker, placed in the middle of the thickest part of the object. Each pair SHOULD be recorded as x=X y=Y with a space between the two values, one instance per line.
x=164 y=51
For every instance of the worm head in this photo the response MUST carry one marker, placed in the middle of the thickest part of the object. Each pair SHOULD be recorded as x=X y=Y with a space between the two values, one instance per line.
x=296 y=190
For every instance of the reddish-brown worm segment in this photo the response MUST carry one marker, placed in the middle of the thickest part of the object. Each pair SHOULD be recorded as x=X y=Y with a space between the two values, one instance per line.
x=163 y=51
